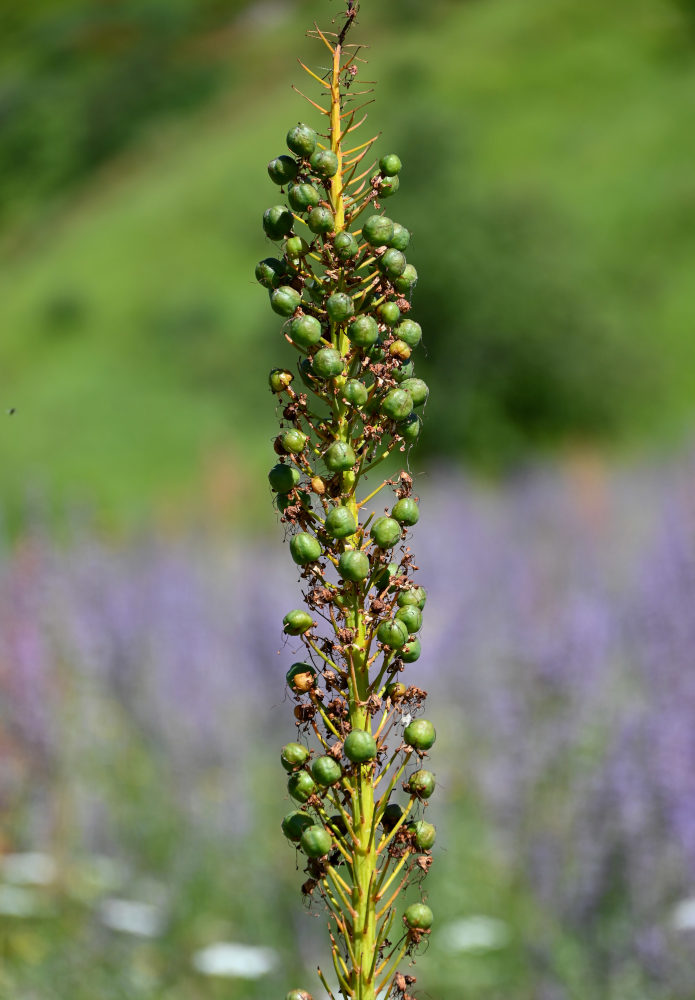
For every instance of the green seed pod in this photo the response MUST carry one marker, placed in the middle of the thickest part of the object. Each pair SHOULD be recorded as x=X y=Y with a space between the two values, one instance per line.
x=303 y=197
x=410 y=332
x=306 y=373
x=359 y=746
x=390 y=164
x=412 y=650
x=321 y=220
x=389 y=186
x=302 y=140
x=422 y=784
x=293 y=755
x=420 y=734
x=340 y=522
x=425 y=834
x=396 y=691
x=339 y=457
x=411 y=618
x=279 y=379
x=295 y=823
x=284 y=300
x=277 y=222
x=324 y=162
x=378 y=230
x=400 y=238
x=301 y=786
x=326 y=771
x=353 y=565
x=316 y=841
x=305 y=331
x=304 y=548
x=327 y=363
x=282 y=169
x=294 y=441
x=299 y=995
x=296 y=246
x=385 y=532
x=297 y=622
x=418 y=389
x=355 y=392
x=392 y=263
x=393 y=633
x=345 y=245
x=410 y=429
x=382 y=580
x=406 y=511
x=270 y=272
x=363 y=331
x=403 y=371
x=419 y=917
x=415 y=595
x=283 y=478
x=391 y=816
x=405 y=282
x=340 y=307
x=301 y=676
x=389 y=313
x=397 y=404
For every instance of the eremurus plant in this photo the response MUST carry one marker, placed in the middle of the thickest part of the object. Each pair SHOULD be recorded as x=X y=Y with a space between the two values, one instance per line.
x=344 y=286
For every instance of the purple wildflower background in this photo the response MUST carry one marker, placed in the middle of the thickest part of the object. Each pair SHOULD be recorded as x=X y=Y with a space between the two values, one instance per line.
x=559 y=651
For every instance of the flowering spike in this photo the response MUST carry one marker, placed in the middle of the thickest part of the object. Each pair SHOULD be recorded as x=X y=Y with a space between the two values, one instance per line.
x=345 y=301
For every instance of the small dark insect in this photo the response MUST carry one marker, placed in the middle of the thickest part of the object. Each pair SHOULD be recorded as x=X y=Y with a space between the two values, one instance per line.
x=11 y=411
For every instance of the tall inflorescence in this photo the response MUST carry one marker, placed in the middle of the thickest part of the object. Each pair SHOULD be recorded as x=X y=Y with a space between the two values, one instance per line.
x=343 y=286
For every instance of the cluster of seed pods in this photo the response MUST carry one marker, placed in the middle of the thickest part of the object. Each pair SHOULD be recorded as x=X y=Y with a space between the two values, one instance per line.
x=356 y=770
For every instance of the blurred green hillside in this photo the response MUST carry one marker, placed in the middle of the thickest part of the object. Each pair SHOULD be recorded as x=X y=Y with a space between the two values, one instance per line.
x=548 y=149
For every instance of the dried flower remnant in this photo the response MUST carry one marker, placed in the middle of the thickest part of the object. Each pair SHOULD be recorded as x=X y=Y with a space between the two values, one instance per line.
x=343 y=286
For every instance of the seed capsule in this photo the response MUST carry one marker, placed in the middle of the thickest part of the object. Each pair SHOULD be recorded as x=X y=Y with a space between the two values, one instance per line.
x=385 y=532
x=340 y=522
x=301 y=786
x=299 y=995
x=399 y=349
x=392 y=263
x=418 y=389
x=400 y=238
x=425 y=834
x=403 y=371
x=345 y=246
x=359 y=746
x=383 y=578
x=321 y=220
x=411 y=618
x=280 y=379
x=422 y=784
x=355 y=392
x=410 y=332
x=284 y=300
x=389 y=186
x=301 y=676
x=316 y=841
x=270 y=272
x=277 y=222
x=297 y=622
x=412 y=650
x=304 y=548
x=295 y=823
x=282 y=169
x=326 y=771
x=393 y=633
x=293 y=755
x=406 y=511
x=296 y=246
x=410 y=429
x=397 y=404
x=305 y=331
x=363 y=331
x=391 y=816
x=302 y=140
x=353 y=565
x=339 y=307
x=405 y=282
x=378 y=230
x=339 y=457
x=324 y=162
x=389 y=313
x=390 y=164
x=327 y=363
x=283 y=478
x=420 y=734
x=303 y=196
x=418 y=916
x=415 y=595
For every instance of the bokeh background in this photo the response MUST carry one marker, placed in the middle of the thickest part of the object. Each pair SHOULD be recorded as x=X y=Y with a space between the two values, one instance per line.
x=548 y=183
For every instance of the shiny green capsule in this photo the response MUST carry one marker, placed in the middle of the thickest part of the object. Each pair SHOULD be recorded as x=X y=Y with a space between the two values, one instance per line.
x=390 y=165
x=303 y=197
x=321 y=220
x=282 y=170
x=363 y=331
x=378 y=230
x=324 y=162
x=385 y=532
x=340 y=522
x=302 y=140
x=406 y=511
x=277 y=222
x=284 y=300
